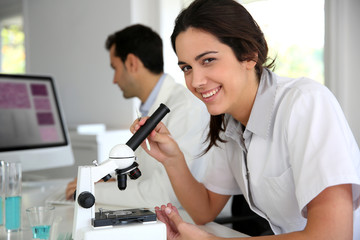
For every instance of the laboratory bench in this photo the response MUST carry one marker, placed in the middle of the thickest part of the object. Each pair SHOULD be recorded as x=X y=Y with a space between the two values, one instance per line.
x=35 y=193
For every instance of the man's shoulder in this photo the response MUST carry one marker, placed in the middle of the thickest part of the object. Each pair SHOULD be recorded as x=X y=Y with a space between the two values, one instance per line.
x=182 y=98
x=176 y=94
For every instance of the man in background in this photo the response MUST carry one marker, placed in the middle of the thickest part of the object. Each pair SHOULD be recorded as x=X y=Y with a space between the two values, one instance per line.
x=136 y=55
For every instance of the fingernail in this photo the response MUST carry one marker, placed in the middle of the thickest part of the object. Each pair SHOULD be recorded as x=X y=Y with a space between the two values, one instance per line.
x=168 y=210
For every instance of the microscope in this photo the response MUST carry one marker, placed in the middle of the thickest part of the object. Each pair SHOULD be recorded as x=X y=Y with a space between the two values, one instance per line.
x=134 y=224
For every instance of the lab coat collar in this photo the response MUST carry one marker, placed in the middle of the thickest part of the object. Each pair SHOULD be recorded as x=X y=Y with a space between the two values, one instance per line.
x=261 y=114
x=260 y=117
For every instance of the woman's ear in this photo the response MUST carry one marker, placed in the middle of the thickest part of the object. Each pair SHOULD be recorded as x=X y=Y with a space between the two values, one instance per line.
x=251 y=61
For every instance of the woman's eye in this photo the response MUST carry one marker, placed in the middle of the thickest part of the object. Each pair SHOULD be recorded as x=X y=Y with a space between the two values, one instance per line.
x=208 y=60
x=185 y=68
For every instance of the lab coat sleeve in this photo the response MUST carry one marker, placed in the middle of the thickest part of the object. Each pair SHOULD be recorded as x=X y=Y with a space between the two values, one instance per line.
x=187 y=121
x=145 y=192
x=188 y=126
x=323 y=150
x=154 y=187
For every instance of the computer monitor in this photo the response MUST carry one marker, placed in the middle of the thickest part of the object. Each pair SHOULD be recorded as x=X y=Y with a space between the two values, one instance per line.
x=32 y=125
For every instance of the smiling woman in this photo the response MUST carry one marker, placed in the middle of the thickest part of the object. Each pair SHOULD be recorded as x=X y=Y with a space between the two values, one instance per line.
x=205 y=76
x=268 y=137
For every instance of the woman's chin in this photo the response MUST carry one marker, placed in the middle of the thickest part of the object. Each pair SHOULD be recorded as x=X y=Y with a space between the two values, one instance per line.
x=214 y=111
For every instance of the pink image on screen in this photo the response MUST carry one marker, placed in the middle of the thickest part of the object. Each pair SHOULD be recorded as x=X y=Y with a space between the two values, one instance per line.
x=49 y=134
x=45 y=118
x=14 y=95
x=39 y=90
x=42 y=104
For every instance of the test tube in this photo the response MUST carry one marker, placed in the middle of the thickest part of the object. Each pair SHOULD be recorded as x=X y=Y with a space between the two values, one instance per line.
x=12 y=196
x=2 y=192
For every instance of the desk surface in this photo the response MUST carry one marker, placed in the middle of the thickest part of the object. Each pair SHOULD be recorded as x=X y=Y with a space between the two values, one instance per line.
x=34 y=194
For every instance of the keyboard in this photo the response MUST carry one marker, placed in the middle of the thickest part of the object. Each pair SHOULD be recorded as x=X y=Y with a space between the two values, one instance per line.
x=58 y=197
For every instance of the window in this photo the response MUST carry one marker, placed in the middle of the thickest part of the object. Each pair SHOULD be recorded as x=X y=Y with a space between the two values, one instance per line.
x=294 y=31
x=12 y=46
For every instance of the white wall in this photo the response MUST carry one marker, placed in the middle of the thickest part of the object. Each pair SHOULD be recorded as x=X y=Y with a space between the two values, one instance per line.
x=160 y=16
x=65 y=39
x=342 y=52
x=10 y=8
x=167 y=19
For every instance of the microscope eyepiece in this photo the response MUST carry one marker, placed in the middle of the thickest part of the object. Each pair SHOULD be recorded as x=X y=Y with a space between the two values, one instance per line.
x=146 y=129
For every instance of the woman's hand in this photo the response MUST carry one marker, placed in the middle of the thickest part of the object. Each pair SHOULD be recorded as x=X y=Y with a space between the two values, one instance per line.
x=70 y=189
x=176 y=228
x=163 y=147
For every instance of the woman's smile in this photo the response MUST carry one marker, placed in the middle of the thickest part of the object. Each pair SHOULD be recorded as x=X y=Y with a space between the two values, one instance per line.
x=210 y=95
x=214 y=74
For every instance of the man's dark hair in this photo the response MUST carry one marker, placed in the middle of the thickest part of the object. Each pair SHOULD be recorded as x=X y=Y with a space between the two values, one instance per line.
x=141 y=41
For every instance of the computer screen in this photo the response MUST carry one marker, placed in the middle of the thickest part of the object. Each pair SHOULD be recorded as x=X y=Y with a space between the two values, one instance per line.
x=32 y=126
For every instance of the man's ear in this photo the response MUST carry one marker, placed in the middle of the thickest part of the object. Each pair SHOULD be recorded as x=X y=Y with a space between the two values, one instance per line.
x=132 y=62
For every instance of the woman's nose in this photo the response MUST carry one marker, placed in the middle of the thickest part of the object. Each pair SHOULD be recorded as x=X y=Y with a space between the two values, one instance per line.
x=198 y=79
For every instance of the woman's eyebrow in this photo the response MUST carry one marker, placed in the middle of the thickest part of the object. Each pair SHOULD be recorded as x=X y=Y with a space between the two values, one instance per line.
x=198 y=56
x=203 y=54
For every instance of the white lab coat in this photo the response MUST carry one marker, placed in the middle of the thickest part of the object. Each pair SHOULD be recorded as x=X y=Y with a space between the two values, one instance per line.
x=187 y=121
x=296 y=144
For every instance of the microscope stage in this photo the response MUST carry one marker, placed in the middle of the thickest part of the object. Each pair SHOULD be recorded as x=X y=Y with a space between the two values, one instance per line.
x=121 y=217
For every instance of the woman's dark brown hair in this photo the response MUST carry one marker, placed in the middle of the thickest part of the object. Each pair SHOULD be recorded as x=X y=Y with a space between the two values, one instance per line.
x=233 y=25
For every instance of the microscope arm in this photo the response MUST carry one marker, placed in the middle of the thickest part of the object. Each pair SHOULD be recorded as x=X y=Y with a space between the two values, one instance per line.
x=121 y=157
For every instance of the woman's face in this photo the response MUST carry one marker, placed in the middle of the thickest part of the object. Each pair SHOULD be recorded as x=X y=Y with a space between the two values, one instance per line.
x=214 y=75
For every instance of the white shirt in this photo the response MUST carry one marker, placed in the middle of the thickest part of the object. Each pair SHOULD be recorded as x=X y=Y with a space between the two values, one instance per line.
x=297 y=143
x=145 y=107
x=186 y=122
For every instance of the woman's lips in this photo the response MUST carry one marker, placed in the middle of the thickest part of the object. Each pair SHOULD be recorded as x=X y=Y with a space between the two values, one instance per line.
x=207 y=95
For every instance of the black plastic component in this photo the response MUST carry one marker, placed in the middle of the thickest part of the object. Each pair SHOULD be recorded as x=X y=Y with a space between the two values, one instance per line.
x=146 y=129
x=120 y=217
x=125 y=170
x=86 y=199
x=106 y=178
x=121 y=179
x=135 y=174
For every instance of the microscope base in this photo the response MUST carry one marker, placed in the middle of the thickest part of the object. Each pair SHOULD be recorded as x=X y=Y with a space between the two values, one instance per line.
x=132 y=231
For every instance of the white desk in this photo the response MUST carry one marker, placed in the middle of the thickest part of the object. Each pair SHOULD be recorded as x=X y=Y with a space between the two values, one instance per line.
x=36 y=193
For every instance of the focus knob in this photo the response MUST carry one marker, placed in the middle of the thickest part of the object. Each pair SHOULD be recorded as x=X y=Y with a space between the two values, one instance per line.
x=106 y=178
x=86 y=199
